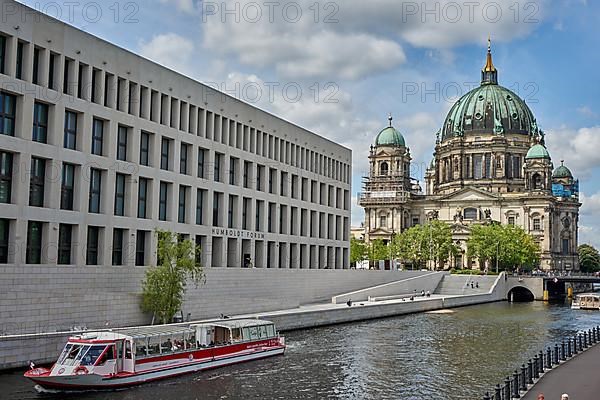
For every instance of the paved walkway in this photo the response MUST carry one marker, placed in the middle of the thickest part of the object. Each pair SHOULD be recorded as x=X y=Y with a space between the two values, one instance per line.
x=578 y=377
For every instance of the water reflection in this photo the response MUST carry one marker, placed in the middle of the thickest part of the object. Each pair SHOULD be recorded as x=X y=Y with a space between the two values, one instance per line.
x=454 y=356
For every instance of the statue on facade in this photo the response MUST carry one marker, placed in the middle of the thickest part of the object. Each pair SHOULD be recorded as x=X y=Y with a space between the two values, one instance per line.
x=488 y=214
x=458 y=217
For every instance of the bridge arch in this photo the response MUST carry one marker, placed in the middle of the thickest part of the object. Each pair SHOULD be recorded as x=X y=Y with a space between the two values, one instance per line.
x=520 y=294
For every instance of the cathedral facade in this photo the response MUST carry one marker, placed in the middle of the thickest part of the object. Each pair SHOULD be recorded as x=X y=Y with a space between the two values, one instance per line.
x=490 y=163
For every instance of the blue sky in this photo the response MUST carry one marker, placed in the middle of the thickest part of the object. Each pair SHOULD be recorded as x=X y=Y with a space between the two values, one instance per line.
x=356 y=61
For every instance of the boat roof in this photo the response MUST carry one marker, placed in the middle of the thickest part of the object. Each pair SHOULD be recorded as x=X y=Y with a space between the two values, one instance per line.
x=167 y=330
x=236 y=323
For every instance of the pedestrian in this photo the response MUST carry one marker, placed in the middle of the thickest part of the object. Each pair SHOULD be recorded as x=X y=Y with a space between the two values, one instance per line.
x=349 y=303
x=540 y=396
x=472 y=285
x=564 y=397
x=477 y=285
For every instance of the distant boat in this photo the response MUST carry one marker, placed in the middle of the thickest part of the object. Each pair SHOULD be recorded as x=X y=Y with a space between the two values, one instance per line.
x=586 y=301
x=128 y=357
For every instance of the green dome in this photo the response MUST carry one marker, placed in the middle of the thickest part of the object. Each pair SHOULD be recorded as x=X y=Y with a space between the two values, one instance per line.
x=537 y=151
x=390 y=137
x=489 y=109
x=562 y=172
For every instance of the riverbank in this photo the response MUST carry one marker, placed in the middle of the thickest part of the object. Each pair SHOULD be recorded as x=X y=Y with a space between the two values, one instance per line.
x=18 y=350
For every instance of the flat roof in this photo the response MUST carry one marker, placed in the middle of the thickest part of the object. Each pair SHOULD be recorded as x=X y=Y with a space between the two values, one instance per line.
x=237 y=323
x=158 y=330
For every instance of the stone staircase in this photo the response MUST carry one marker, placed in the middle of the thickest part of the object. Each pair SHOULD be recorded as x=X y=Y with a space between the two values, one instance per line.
x=461 y=284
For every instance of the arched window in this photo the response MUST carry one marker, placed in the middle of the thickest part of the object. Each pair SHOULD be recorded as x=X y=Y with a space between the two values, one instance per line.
x=470 y=213
x=384 y=168
x=537 y=181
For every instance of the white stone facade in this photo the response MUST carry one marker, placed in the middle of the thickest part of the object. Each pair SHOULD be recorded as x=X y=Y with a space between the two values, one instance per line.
x=149 y=148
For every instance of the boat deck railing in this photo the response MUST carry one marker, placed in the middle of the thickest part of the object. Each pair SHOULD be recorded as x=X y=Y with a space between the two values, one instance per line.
x=530 y=372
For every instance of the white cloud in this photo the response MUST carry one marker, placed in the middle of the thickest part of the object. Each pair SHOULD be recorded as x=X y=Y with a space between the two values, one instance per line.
x=367 y=38
x=587 y=112
x=170 y=50
x=579 y=148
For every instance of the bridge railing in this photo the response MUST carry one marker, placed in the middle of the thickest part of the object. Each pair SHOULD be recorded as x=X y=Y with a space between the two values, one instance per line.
x=530 y=372
x=557 y=274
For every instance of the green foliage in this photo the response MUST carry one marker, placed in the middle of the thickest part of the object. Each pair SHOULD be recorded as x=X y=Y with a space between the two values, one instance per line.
x=421 y=243
x=509 y=245
x=589 y=258
x=358 y=250
x=165 y=284
x=377 y=250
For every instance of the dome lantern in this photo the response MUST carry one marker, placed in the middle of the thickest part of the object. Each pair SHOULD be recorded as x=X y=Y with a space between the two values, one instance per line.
x=489 y=73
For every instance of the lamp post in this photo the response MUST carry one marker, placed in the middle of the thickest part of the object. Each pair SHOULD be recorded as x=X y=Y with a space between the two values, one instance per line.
x=497 y=255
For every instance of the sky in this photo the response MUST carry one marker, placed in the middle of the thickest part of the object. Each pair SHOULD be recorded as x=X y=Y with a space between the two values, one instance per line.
x=338 y=68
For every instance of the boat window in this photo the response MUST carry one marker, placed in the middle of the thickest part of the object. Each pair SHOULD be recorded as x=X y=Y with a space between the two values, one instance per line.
x=246 y=333
x=263 y=331
x=72 y=354
x=253 y=332
x=92 y=355
x=236 y=334
x=128 y=349
x=153 y=345
x=64 y=353
x=271 y=330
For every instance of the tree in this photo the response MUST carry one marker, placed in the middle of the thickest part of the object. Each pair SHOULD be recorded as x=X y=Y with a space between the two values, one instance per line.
x=377 y=250
x=589 y=258
x=430 y=242
x=165 y=284
x=507 y=245
x=358 y=250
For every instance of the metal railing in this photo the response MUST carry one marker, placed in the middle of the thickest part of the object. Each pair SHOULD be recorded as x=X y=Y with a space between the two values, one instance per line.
x=530 y=372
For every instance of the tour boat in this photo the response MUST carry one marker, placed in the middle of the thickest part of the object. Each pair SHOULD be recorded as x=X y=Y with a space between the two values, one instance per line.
x=586 y=301
x=128 y=357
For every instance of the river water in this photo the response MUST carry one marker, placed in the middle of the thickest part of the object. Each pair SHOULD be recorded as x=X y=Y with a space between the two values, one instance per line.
x=456 y=356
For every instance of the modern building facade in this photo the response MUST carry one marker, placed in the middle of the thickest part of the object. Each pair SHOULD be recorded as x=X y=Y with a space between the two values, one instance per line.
x=99 y=147
x=490 y=164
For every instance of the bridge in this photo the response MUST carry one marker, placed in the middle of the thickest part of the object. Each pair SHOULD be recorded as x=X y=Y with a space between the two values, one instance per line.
x=547 y=286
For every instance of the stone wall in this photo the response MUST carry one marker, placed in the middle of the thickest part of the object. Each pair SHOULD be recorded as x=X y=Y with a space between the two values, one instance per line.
x=47 y=299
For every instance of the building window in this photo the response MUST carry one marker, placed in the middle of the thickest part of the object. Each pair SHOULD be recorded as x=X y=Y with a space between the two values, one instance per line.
x=145 y=148
x=142 y=198
x=97 y=136
x=245 y=212
x=2 y=54
x=70 y=135
x=162 y=201
x=201 y=158
x=36 y=185
x=217 y=172
x=230 y=211
x=122 y=143
x=200 y=207
x=40 y=123
x=232 y=169
x=67 y=187
x=247 y=166
x=183 y=159
x=259 y=211
x=6 y=165
x=117 y=248
x=164 y=154
x=120 y=195
x=181 y=214
x=260 y=170
x=95 y=190
x=36 y=66
x=93 y=237
x=470 y=213
x=7 y=114
x=4 y=237
x=19 y=69
x=272 y=173
x=34 y=243
x=565 y=247
x=65 y=236
x=140 y=248
x=537 y=224
x=270 y=217
x=383 y=221
x=216 y=207
x=51 y=66
x=383 y=168
x=511 y=220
